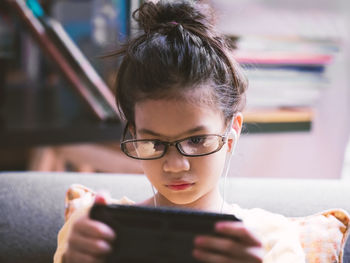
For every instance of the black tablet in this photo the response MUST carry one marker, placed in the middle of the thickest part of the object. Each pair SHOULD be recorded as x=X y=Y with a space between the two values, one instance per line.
x=152 y=235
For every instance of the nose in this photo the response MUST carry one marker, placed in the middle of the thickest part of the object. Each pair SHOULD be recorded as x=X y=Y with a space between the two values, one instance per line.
x=175 y=162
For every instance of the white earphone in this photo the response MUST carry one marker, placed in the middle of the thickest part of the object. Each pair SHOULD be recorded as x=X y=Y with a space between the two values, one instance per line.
x=233 y=135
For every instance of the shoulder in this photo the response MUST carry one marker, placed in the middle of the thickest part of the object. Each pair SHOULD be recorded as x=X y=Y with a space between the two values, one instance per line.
x=270 y=227
x=262 y=219
x=278 y=234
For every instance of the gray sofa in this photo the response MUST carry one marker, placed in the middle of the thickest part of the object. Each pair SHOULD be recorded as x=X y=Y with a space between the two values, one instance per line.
x=31 y=204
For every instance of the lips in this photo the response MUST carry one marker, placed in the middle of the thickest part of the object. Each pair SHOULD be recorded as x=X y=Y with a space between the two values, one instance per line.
x=180 y=185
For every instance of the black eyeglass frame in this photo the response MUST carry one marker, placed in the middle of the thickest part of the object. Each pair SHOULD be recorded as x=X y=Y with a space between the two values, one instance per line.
x=174 y=143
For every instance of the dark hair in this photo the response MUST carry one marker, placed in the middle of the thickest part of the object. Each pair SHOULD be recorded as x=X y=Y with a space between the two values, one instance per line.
x=178 y=50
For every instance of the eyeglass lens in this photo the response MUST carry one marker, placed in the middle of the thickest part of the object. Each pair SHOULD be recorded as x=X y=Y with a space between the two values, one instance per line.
x=200 y=145
x=196 y=145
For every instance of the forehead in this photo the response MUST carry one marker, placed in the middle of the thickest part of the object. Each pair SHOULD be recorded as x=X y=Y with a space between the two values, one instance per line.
x=173 y=117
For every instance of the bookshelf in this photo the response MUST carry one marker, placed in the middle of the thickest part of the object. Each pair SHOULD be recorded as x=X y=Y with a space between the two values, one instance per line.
x=286 y=79
x=51 y=94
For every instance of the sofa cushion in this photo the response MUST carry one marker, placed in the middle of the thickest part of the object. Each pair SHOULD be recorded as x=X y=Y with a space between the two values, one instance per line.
x=323 y=235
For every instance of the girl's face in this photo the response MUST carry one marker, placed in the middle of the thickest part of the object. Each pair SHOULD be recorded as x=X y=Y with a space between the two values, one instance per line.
x=181 y=180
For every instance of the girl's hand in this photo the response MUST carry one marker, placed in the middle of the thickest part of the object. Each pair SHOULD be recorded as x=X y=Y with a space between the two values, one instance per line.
x=236 y=244
x=89 y=240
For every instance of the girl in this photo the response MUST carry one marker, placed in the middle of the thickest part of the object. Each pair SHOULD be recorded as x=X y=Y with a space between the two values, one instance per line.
x=182 y=94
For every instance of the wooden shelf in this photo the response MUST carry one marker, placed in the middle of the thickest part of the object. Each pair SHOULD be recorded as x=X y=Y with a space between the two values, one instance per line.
x=34 y=115
x=278 y=120
x=279 y=115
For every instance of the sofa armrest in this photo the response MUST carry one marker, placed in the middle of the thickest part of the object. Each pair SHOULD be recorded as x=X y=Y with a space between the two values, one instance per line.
x=32 y=209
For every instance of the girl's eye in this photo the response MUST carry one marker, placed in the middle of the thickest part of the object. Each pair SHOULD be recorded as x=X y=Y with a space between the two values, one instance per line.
x=156 y=143
x=158 y=146
x=196 y=140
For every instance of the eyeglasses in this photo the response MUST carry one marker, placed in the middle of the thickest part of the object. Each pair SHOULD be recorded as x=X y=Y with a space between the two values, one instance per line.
x=149 y=149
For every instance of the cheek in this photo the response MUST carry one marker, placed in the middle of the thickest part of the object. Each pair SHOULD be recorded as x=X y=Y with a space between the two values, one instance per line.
x=150 y=165
x=210 y=166
x=152 y=169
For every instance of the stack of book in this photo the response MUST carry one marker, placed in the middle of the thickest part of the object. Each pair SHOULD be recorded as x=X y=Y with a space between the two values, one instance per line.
x=286 y=78
x=286 y=56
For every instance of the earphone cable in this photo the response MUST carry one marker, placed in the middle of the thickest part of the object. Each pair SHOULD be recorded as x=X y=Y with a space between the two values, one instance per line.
x=154 y=196
x=225 y=172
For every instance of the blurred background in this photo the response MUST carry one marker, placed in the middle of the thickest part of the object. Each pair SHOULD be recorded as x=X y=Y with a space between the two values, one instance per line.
x=57 y=109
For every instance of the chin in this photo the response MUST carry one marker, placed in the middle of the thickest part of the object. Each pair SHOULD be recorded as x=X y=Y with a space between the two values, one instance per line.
x=181 y=199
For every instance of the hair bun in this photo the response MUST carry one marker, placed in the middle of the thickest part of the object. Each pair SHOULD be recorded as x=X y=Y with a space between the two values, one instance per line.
x=168 y=14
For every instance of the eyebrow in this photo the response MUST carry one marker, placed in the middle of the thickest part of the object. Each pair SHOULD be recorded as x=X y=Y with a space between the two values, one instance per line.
x=193 y=130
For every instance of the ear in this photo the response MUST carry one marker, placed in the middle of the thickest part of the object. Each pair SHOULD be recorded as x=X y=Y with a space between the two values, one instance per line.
x=238 y=123
x=237 y=128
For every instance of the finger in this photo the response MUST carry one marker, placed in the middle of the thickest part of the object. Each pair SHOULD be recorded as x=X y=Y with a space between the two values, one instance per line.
x=72 y=256
x=102 y=198
x=210 y=257
x=237 y=230
x=93 y=229
x=96 y=247
x=224 y=246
